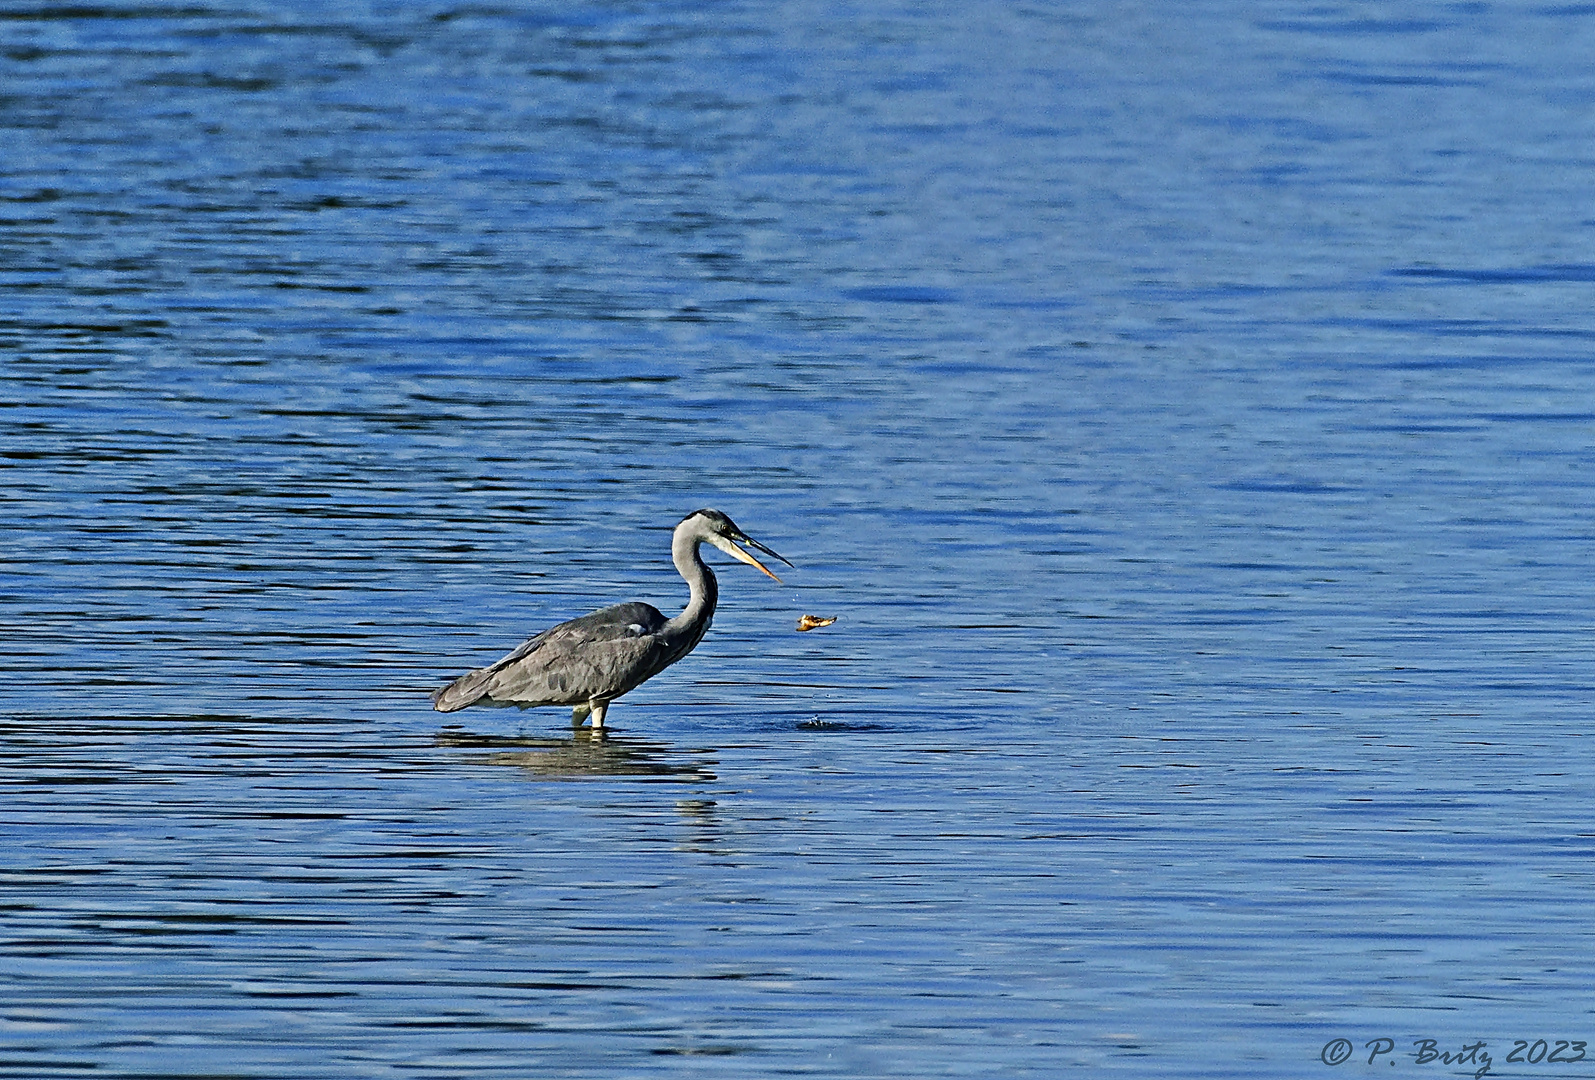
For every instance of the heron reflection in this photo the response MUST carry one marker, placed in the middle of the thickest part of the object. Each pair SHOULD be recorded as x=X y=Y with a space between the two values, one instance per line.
x=582 y=754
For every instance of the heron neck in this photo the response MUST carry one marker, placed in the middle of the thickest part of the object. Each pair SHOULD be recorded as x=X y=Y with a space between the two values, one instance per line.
x=703 y=590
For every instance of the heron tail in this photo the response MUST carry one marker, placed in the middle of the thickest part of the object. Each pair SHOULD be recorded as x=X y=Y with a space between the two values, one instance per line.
x=466 y=690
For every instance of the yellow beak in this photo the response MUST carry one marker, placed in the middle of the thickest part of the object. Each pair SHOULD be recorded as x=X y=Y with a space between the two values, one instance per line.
x=730 y=548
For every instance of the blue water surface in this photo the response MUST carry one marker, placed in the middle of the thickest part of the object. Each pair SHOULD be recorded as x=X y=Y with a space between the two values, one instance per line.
x=1186 y=410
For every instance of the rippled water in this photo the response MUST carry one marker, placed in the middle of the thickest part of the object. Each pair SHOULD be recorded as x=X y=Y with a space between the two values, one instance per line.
x=1184 y=409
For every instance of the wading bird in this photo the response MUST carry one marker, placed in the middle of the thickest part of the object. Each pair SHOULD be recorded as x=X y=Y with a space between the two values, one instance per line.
x=589 y=662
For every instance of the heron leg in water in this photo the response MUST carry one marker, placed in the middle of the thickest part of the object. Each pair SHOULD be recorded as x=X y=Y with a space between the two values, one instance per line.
x=595 y=709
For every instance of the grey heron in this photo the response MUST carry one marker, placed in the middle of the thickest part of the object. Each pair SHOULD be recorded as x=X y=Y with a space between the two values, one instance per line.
x=588 y=662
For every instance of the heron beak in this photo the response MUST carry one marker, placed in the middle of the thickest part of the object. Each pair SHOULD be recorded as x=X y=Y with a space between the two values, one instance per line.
x=730 y=548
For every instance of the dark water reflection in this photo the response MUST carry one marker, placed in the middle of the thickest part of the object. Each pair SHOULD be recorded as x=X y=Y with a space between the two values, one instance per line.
x=1185 y=409
x=583 y=754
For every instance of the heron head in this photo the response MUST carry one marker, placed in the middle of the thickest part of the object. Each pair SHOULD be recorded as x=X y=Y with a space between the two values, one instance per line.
x=718 y=529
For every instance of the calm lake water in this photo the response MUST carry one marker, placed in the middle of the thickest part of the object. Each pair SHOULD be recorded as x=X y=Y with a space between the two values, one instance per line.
x=1186 y=410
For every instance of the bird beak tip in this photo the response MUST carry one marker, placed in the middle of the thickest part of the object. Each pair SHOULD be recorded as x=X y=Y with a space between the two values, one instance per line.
x=732 y=546
x=770 y=573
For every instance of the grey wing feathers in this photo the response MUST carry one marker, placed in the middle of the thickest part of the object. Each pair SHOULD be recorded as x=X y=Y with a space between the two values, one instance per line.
x=466 y=690
x=599 y=655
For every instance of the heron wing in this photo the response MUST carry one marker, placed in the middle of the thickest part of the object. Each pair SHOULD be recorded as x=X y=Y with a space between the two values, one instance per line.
x=601 y=655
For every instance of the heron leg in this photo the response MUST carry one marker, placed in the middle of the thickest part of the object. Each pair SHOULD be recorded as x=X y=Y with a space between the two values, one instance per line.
x=578 y=714
x=598 y=708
